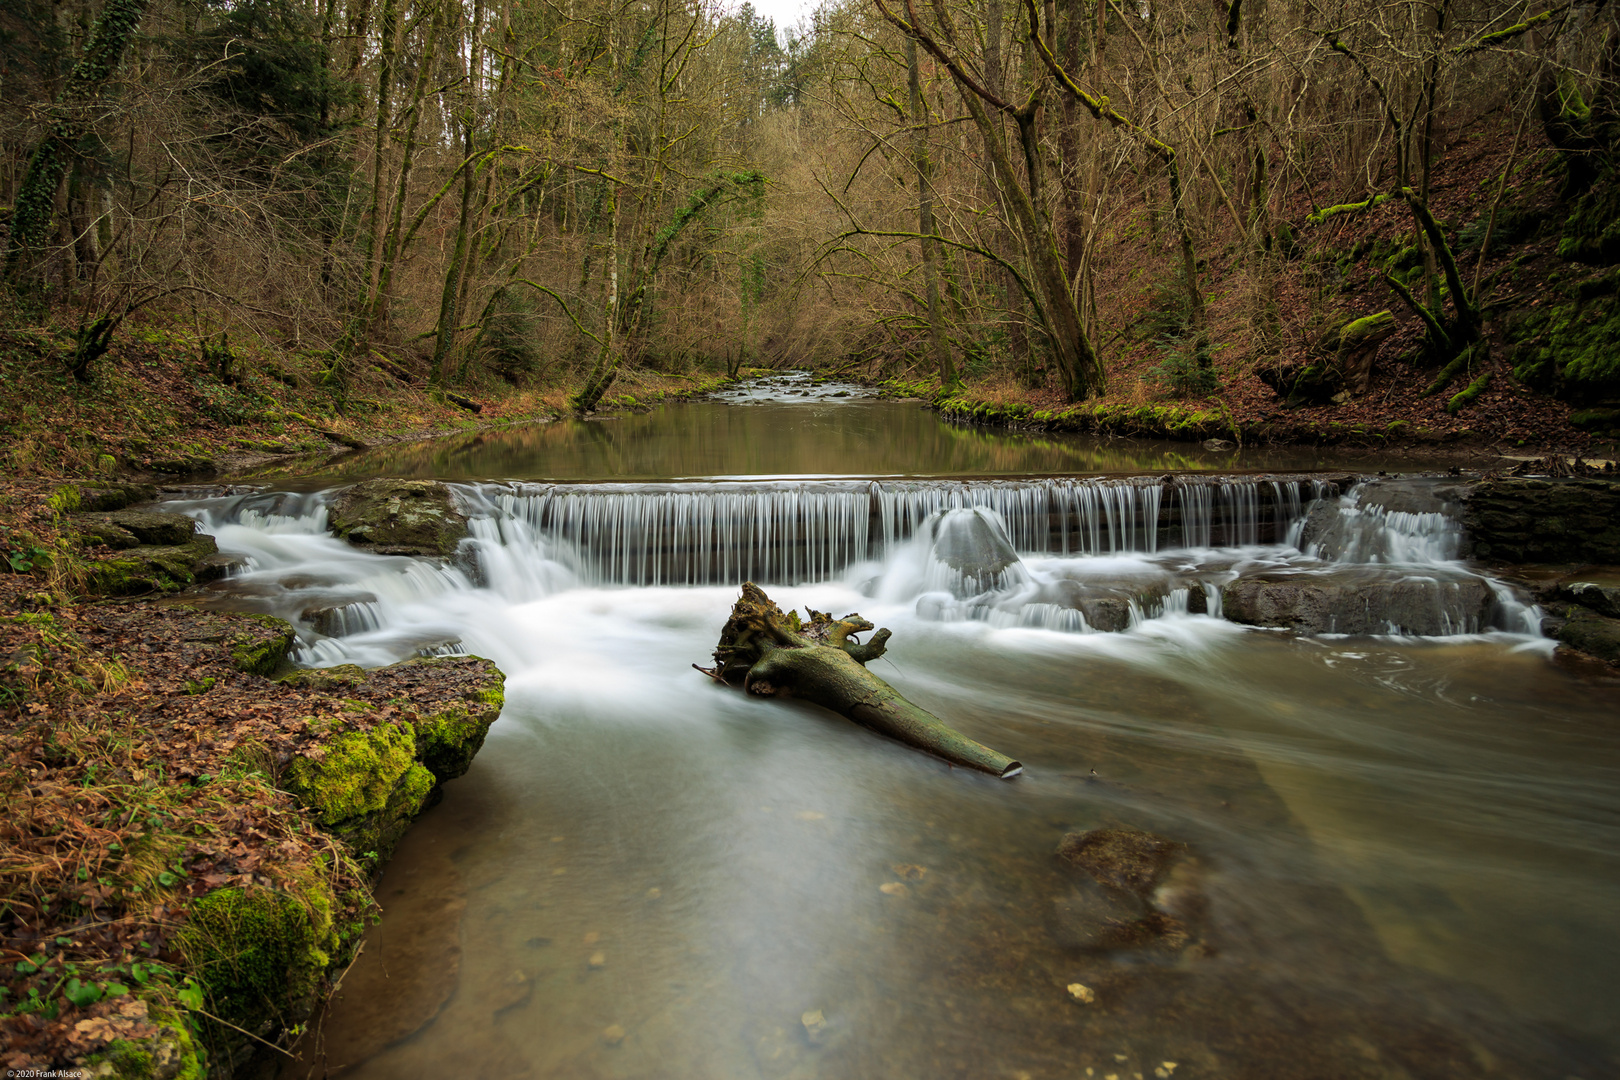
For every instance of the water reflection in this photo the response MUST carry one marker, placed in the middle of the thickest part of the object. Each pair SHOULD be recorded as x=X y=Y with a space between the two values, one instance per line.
x=812 y=438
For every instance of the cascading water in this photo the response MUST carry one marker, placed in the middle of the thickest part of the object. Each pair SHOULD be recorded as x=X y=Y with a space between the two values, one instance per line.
x=744 y=864
x=1057 y=554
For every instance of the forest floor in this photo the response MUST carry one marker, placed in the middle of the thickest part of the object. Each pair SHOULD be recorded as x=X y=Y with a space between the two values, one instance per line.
x=155 y=407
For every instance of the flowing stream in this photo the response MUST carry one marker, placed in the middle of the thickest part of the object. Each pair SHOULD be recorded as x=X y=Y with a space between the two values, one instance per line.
x=1405 y=849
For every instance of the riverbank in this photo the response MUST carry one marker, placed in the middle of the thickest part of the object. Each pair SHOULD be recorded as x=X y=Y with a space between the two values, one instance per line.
x=1535 y=427
x=163 y=411
x=192 y=827
x=163 y=405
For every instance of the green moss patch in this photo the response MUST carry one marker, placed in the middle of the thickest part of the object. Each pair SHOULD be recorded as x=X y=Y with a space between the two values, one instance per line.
x=355 y=774
x=262 y=645
x=259 y=954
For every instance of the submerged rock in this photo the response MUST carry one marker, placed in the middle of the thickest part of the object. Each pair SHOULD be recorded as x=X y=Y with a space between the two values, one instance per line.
x=1122 y=859
x=1149 y=897
x=399 y=517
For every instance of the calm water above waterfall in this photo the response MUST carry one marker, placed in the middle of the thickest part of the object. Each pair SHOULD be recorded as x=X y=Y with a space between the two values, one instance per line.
x=1404 y=850
x=779 y=432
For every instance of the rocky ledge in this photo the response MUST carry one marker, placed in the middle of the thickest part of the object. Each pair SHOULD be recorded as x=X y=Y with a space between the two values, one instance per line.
x=399 y=517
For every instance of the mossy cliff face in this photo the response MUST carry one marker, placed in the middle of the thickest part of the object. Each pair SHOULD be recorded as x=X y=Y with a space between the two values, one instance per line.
x=399 y=517
x=1571 y=345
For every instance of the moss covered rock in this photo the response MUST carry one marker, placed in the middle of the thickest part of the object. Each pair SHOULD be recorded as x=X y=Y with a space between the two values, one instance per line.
x=1571 y=346
x=448 y=739
x=171 y=1052
x=260 y=644
x=260 y=955
x=149 y=568
x=399 y=517
x=366 y=785
x=1591 y=633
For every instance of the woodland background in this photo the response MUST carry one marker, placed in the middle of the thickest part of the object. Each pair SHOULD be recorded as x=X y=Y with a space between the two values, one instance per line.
x=1139 y=201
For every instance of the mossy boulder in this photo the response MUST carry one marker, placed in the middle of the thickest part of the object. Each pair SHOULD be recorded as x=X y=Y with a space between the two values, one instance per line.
x=447 y=740
x=99 y=496
x=366 y=785
x=128 y=528
x=167 y=1050
x=1591 y=633
x=261 y=956
x=399 y=517
x=260 y=644
x=155 y=568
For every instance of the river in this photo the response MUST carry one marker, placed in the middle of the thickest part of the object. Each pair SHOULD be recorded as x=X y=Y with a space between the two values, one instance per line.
x=1402 y=852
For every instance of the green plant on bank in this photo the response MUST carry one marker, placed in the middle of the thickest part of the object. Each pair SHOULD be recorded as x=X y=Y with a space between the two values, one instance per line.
x=1184 y=366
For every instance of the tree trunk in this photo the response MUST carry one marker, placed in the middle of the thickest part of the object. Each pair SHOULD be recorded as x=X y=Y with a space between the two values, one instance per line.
x=773 y=654
x=34 y=215
x=925 y=218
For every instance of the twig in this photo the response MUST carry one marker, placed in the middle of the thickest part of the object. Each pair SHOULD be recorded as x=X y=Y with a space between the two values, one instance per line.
x=338 y=985
x=249 y=1034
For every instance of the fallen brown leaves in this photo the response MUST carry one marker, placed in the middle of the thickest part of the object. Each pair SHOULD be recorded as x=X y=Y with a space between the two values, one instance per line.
x=138 y=770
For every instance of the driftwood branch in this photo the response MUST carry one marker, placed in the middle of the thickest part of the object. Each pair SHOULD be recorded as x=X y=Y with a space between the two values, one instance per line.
x=772 y=653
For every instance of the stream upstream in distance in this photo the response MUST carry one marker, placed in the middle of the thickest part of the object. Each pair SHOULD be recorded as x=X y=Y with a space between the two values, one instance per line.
x=1405 y=850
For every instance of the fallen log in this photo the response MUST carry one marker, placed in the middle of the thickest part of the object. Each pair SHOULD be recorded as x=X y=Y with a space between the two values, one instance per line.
x=775 y=654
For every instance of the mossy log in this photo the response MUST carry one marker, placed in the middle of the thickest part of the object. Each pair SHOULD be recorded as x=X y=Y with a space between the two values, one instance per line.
x=773 y=654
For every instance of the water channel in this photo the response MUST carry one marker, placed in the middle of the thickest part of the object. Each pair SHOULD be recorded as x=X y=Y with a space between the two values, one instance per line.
x=1404 y=850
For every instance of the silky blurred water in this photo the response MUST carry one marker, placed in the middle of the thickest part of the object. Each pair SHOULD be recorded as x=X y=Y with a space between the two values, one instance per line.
x=1407 y=850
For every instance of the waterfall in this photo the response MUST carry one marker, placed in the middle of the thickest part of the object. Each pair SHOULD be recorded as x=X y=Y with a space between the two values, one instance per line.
x=803 y=531
x=1062 y=554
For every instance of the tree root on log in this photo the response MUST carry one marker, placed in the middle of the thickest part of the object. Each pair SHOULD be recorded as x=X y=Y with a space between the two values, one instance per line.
x=772 y=654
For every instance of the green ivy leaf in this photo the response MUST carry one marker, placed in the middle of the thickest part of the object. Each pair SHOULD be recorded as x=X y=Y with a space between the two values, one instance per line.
x=190 y=995
x=82 y=994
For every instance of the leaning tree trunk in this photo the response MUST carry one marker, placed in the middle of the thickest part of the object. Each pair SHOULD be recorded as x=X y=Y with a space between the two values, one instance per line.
x=773 y=654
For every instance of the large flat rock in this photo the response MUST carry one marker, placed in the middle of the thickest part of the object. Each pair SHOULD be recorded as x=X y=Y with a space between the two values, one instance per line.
x=1314 y=604
x=399 y=517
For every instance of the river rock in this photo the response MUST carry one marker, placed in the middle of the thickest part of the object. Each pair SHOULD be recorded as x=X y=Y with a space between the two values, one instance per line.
x=974 y=544
x=1319 y=605
x=113 y=496
x=149 y=568
x=131 y=528
x=1603 y=599
x=338 y=617
x=1526 y=519
x=399 y=517
x=1150 y=894
x=1124 y=859
x=1587 y=631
